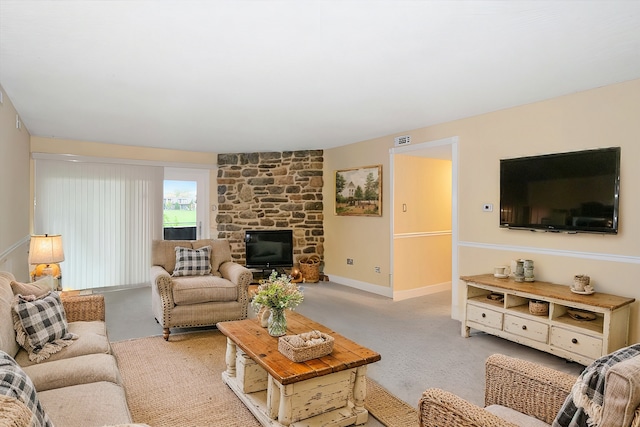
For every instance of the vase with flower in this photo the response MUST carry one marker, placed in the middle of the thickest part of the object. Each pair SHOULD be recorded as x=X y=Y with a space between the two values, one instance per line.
x=277 y=294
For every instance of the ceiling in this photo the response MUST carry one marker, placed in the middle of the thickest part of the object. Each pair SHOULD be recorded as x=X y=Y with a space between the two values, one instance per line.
x=241 y=76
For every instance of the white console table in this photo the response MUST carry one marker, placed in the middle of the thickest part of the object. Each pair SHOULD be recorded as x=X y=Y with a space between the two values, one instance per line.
x=508 y=316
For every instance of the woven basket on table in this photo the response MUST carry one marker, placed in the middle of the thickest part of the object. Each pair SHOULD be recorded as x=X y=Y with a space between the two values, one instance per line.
x=310 y=268
x=302 y=354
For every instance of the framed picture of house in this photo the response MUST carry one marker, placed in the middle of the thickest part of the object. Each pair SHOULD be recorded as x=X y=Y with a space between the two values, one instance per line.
x=359 y=191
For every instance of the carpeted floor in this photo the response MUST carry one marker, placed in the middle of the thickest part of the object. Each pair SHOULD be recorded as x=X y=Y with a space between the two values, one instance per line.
x=178 y=383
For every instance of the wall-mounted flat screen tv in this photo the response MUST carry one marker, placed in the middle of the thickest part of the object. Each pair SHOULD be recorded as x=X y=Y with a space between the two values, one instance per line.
x=576 y=192
x=269 y=248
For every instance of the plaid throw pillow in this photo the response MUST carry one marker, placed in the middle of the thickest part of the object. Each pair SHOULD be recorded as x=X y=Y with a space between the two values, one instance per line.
x=41 y=325
x=15 y=383
x=192 y=262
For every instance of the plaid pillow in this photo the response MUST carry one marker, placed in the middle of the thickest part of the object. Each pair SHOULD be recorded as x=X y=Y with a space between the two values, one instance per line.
x=41 y=325
x=15 y=383
x=192 y=262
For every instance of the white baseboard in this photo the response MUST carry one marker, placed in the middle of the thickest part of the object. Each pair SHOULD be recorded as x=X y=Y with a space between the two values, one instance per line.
x=418 y=292
x=363 y=286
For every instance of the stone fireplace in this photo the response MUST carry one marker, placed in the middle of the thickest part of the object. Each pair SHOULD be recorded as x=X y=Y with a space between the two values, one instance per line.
x=272 y=190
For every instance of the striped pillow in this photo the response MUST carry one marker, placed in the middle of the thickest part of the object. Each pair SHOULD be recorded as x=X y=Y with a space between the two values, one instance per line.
x=192 y=262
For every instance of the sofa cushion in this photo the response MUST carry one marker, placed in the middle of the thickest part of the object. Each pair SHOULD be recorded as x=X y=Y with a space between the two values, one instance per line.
x=220 y=252
x=200 y=289
x=163 y=253
x=14 y=382
x=8 y=342
x=515 y=417
x=41 y=325
x=85 y=405
x=85 y=369
x=38 y=288
x=92 y=339
x=192 y=262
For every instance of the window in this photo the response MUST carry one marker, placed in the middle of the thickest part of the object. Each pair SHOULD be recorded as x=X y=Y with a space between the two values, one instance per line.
x=185 y=215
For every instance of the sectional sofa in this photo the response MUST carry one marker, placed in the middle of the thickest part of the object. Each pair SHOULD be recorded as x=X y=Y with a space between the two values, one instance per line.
x=79 y=385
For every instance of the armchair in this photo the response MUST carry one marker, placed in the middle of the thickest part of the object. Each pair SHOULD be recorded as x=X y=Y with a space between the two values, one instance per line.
x=522 y=393
x=198 y=300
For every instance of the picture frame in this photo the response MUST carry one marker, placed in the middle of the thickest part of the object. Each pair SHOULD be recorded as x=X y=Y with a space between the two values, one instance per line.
x=358 y=191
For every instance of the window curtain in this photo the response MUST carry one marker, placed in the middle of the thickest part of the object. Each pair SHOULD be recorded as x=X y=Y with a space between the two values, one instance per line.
x=108 y=214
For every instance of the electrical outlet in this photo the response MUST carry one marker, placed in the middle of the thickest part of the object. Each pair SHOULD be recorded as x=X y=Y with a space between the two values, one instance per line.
x=349 y=261
x=376 y=269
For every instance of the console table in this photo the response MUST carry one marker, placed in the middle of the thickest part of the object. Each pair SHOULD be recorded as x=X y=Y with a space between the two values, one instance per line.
x=501 y=307
x=324 y=392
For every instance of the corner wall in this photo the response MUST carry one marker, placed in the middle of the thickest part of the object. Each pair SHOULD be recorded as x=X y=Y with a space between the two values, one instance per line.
x=14 y=192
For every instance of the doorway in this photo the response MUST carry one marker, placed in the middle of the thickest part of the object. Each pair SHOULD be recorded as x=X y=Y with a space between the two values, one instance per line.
x=431 y=247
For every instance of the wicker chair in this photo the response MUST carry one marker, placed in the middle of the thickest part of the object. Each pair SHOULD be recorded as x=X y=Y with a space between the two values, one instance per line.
x=523 y=393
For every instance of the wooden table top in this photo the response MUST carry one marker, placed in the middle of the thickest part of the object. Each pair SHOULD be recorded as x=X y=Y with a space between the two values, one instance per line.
x=256 y=342
x=552 y=290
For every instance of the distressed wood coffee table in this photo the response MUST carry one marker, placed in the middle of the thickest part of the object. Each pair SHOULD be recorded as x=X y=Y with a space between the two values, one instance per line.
x=328 y=391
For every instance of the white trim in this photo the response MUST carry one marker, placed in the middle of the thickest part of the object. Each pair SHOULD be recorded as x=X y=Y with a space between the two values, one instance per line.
x=628 y=259
x=363 y=286
x=418 y=292
x=91 y=159
x=422 y=234
x=15 y=246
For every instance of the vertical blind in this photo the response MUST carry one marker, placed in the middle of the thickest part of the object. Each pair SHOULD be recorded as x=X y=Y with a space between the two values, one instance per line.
x=108 y=214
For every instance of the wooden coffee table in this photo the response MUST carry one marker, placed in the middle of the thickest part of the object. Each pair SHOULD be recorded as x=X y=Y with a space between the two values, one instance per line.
x=328 y=391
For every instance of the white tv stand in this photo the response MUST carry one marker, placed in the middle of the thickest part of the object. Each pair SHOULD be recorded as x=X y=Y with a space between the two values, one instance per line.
x=558 y=333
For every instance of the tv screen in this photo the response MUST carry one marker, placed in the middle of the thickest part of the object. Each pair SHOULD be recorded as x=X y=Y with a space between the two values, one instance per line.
x=269 y=248
x=571 y=192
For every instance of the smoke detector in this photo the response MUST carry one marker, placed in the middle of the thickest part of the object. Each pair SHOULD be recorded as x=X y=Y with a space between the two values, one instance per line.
x=402 y=140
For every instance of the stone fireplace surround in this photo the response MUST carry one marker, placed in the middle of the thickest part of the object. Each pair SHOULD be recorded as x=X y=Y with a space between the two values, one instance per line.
x=272 y=190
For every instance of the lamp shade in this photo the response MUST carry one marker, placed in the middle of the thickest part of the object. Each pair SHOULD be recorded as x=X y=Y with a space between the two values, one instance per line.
x=46 y=249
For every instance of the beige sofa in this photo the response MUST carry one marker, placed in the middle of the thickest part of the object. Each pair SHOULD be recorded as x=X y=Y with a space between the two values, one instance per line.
x=78 y=386
x=525 y=394
x=189 y=301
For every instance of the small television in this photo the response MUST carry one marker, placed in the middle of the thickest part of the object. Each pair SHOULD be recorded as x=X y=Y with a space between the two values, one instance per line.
x=268 y=248
x=575 y=192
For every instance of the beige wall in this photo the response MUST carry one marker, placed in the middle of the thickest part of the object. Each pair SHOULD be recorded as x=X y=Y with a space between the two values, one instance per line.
x=14 y=191
x=363 y=239
x=422 y=231
x=97 y=149
x=600 y=117
x=424 y=186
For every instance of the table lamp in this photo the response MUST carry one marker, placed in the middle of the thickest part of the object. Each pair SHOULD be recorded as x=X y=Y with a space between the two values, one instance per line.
x=46 y=252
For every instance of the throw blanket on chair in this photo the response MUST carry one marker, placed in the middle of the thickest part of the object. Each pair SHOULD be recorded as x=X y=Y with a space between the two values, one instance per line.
x=583 y=407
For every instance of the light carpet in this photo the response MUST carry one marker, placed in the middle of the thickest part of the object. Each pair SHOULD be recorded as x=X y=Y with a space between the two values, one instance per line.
x=178 y=383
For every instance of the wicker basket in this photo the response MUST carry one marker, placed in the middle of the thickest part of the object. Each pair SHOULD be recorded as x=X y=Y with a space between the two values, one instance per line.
x=305 y=352
x=310 y=268
x=538 y=308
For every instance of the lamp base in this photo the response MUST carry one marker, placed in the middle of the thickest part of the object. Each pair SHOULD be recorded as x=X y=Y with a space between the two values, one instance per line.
x=48 y=270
